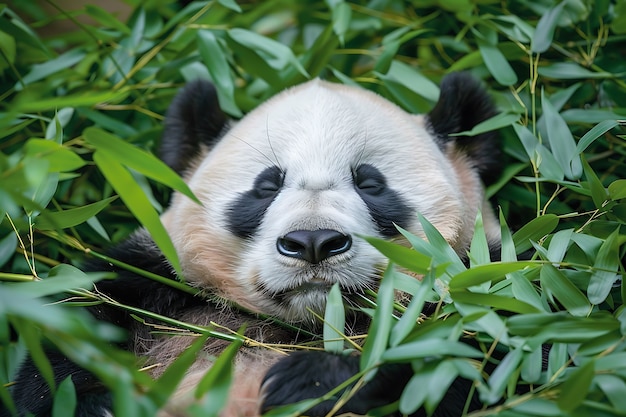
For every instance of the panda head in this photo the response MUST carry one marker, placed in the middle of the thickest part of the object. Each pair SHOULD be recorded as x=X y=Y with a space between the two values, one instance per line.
x=287 y=191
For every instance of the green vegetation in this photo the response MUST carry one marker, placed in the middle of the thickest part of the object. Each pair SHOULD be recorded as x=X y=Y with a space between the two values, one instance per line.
x=81 y=114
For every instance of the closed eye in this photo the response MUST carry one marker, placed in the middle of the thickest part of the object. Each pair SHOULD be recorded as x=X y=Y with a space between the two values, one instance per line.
x=268 y=183
x=369 y=180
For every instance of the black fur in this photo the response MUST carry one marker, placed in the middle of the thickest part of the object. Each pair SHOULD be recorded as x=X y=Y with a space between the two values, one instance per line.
x=247 y=211
x=385 y=205
x=195 y=119
x=464 y=103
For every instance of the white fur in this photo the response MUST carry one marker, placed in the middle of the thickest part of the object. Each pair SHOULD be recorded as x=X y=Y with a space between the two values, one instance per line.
x=318 y=133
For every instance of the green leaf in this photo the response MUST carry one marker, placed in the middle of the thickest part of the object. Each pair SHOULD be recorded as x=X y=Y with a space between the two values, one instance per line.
x=430 y=347
x=534 y=230
x=483 y=273
x=498 y=302
x=64 y=399
x=559 y=244
x=479 y=248
x=614 y=388
x=47 y=68
x=531 y=365
x=214 y=388
x=136 y=201
x=502 y=375
x=60 y=158
x=496 y=122
x=8 y=246
x=61 y=278
x=544 y=32
x=341 y=16
x=575 y=388
x=595 y=132
x=562 y=327
x=412 y=79
x=379 y=330
x=275 y=54
x=562 y=288
x=27 y=104
x=561 y=141
x=571 y=71
x=106 y=19
x=496 y=63
x=617 y=189
x=214 y=58
x=230 y=4
x=334 y=321
x=507 y=249
x=137 y=159
x=165 y=386
x=71 y=217
x=599 y=194
x=605 y=269
x=402 y=256
x=407 y=322
x=524 y=290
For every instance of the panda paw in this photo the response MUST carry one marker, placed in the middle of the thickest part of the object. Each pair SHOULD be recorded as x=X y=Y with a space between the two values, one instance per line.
x=306 y=375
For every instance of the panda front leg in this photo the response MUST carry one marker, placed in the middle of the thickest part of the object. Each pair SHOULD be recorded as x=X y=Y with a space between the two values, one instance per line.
x=305 y=375
x=312 y=374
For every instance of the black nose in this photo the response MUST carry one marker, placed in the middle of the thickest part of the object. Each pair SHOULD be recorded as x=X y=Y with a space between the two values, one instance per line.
x=313 y=245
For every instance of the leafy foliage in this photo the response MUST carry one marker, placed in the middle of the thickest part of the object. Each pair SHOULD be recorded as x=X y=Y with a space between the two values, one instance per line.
x=81 y=114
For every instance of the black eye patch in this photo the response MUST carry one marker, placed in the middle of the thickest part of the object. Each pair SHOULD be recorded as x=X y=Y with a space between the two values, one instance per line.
x=385 y=205
x=246 y=212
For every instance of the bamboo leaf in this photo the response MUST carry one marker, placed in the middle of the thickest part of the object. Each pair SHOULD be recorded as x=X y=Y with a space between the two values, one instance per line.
x=64 y=399
x=136 y=201
x=334 y=321
x=617 y=189
x=137 y=159
x=605 y=269
x=561 y=139
x=575 y=388
x=375 y=346
x=430 y=347
x=493 y=271
x=502 y=375
x=400 y=255
x=595 y=132
x=215 y=60
x=496 y=63
x=71 y=217
x=533 y=231
x=599 y=194
x=562 y=288
x=544 y=32
x=60 y=158
x=213 y=389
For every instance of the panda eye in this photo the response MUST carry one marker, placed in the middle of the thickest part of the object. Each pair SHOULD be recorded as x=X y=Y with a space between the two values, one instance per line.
x=268 y=183
x=369 y=180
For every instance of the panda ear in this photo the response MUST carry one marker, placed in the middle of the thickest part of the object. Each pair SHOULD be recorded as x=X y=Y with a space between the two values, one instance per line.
x=193 y=119
x=464 y=103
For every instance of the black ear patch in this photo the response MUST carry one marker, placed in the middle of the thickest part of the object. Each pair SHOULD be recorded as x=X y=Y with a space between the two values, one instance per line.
x=194 y=118
x=464 y=103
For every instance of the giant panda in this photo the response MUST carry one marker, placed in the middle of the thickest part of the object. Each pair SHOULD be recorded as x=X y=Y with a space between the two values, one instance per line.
x=287 y=193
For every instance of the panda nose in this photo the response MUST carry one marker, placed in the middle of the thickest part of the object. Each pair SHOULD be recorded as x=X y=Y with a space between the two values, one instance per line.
x=313 y=245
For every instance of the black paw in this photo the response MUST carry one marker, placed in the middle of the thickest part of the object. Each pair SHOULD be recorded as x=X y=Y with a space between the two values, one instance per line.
x=305 y=375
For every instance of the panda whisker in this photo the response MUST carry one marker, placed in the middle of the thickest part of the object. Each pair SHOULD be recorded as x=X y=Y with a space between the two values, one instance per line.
x=269 y=142
x=257 y=150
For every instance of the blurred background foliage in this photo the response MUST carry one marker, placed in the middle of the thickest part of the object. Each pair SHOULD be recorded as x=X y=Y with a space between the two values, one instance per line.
x=81 y=114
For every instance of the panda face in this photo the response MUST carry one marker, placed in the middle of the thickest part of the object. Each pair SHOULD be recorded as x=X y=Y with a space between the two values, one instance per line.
x=289 y=190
